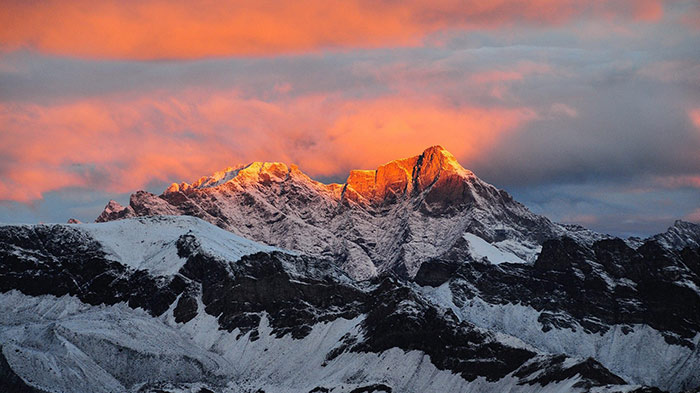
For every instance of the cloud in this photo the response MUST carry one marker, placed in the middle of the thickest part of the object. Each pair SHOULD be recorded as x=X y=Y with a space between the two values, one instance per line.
x=161 y=29
x=680 y=181
x=119 y=144
x=693 y=216
x=498 y=81
x=677 y=71
x=695 y=117
x=536 y=97
x=619 y=208
x=560 y=108
x=691 y=16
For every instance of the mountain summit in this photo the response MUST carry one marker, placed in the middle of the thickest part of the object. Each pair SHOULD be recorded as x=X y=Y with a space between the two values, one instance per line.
x=434 y=168
x=394 y=217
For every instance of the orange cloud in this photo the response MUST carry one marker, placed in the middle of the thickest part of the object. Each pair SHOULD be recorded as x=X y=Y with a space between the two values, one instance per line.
x=371 y=133
x=695 y=117
x=160 y=29
x=680 y=181
x=120 y=144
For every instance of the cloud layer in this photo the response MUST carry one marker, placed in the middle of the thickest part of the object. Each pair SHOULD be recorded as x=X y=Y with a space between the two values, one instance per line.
x=589 y=112
x=163 y=29
x=122 y=143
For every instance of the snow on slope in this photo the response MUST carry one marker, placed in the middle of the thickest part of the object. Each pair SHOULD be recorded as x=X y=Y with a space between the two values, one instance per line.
x=641 y=355
x=63 y=345
x=637 y=353
x=480 y=248
x=76 y=347
x=396 y=217
x=680 y=235
x=149 y=242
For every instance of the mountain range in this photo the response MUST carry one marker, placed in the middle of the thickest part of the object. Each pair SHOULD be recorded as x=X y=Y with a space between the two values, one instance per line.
x=414 y=277
x=390 y=219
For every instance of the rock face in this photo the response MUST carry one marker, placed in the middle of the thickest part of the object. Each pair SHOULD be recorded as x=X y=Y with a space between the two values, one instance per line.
x=79 y=313
x=389 y=219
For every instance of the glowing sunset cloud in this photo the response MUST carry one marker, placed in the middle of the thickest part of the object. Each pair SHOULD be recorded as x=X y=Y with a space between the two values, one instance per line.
x=160 y=29
x=122 y=144
x=552 y=100
x=695 y=117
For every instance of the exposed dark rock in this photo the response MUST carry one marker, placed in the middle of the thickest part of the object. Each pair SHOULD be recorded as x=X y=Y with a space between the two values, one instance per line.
x=376 y=388
x=435 y=273
x=605 y=284
x=400 y=319
x=555 y=371
x=61 y=260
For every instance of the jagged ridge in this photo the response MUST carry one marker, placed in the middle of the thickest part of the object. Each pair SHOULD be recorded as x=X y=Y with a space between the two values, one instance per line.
x=392 y=218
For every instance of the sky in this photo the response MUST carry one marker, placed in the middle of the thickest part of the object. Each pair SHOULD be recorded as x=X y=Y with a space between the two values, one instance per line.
x=586 y=111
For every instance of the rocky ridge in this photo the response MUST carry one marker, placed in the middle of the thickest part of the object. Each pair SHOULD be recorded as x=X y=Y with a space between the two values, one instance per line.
x=390 y=219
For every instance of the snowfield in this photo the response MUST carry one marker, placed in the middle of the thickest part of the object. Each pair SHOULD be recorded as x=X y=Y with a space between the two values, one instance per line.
x=64 y=345
x=637 y=353
x=480 y=248
x=149 y=243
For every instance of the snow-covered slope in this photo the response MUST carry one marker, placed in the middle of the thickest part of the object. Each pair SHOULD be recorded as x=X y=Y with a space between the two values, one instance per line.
x=393 y=218
x=87 y=308
x=149 y=243
x=680 y=235
x=634 y=310
x=63 y=345
x=480 y=248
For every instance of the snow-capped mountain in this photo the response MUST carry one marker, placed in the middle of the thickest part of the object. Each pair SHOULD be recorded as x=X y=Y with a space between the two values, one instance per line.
x=174 y=304
x=414 y=277
x=635 y=311
x=680 y=235
x=393 y=218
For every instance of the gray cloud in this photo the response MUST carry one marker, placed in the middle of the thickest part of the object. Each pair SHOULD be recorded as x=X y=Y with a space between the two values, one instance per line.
x=611 y=109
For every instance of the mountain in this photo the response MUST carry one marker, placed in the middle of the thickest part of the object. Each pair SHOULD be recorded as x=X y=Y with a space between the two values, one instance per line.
x=680 y=235
x=390 y=219
x=414 y=277
x=174 y=304
x=635 y=311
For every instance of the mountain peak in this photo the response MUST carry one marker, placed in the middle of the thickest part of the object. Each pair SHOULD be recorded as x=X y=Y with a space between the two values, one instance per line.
x=680 y=235
x=254 y=172
x=393 y=217
x=434 y=166
x=113 y=211
x=113 y=206
x=683 y=224
x=407 y=175
x=446 y=161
